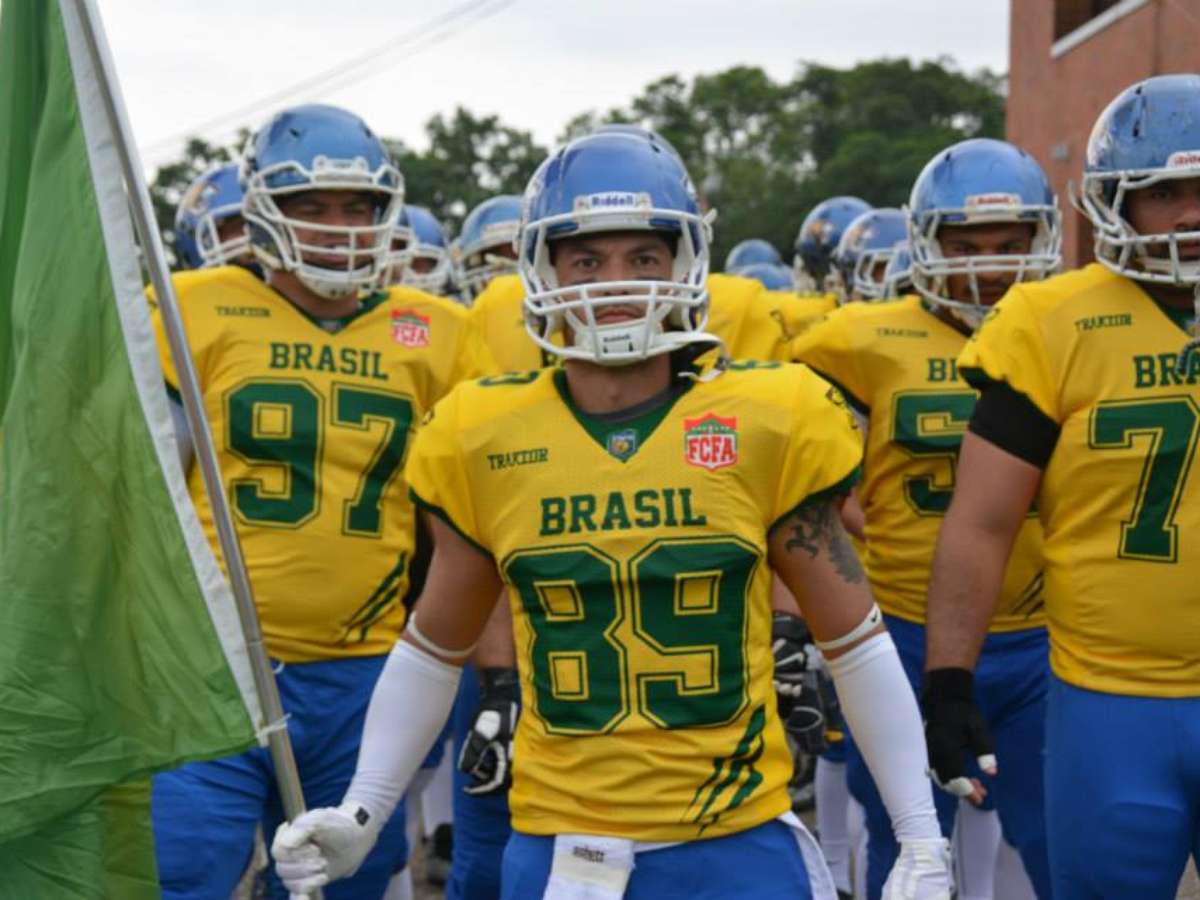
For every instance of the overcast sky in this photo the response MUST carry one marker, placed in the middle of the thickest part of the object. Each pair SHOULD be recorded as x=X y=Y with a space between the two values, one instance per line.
x=536 y=63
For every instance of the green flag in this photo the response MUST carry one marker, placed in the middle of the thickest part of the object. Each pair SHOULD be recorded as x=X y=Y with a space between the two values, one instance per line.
x=120 y=649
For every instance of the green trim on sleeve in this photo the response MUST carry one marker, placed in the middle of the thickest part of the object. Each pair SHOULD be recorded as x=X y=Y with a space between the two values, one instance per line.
x=445 y=517
x=838 y=489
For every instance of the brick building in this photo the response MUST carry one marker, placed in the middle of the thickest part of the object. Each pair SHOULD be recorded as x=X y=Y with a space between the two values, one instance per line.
x=1067 y=59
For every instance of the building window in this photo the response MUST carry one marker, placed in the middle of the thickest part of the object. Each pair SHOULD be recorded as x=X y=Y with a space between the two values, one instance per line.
x=1077 y=20
x=1072 y=14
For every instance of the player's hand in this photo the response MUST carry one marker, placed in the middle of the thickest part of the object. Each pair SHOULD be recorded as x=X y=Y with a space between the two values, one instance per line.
x=795 y=659
x=487 y=754
x=954 y=726
x=921 y=872
x=323 y=845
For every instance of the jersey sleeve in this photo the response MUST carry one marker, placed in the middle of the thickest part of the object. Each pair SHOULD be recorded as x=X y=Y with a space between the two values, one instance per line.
x=474 y=359
x=1009 y=348
x=196 y=343
x=824 y=450
x=436 y=477
x=828 y=348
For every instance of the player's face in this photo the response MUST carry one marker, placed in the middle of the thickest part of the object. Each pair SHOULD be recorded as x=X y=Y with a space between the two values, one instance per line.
x=1172 y=205
x=613 y=256
x=997 y=239
x=339 y=209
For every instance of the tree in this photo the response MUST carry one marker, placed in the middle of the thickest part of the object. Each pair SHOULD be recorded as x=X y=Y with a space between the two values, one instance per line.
x=763 y=152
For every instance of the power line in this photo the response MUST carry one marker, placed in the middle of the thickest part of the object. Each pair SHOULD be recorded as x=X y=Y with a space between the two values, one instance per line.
x=352 y=71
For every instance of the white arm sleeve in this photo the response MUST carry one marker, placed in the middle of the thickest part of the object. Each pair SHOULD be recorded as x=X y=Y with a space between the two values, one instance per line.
x=183 y=435
x=409 y=706
x=879 y=706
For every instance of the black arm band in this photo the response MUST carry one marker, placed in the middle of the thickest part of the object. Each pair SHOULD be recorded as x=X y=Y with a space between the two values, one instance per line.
x=1011 y=421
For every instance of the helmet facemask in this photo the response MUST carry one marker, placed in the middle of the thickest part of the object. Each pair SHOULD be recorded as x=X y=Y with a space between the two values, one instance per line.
x=356 y=257
x=931 y=269
x=676 y=310
x=1118 y=245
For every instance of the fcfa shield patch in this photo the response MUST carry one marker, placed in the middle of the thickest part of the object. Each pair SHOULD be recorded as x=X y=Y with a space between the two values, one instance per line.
x=710 y=441
x=410 y=328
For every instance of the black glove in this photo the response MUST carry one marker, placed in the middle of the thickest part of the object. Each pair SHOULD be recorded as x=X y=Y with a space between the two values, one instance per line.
x=792 y=647
x=954 y=727
x=487 y=754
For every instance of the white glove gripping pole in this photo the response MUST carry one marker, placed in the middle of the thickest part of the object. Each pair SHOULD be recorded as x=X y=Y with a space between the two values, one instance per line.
x=409 y=706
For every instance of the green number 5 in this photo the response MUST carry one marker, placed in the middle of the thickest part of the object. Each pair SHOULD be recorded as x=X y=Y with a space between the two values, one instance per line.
x=930 y=425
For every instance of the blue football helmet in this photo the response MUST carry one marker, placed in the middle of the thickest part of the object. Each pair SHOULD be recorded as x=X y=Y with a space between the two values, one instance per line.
x=320 y=148
x=1149 y=133
x=772 y=276
x=861 y=256
x=897 y=279
x=614 y=182
x=751 y=251
x=418 y=238
x=980 y=181
x=488 y=234
x=636 y=131
x=209 y=202
x=818 y=238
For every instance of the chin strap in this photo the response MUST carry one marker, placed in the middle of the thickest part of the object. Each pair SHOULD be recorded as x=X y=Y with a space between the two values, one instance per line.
x=1183 y=366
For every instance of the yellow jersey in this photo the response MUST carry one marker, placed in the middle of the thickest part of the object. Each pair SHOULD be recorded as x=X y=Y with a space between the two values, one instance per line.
x=752 y=322
x=498 y=314
x=895 y=362
x=311 y=429
x=1119 y=504
x=635 y=555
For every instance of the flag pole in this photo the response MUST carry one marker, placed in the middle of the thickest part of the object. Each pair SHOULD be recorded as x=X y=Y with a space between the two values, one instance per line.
x=286 y=774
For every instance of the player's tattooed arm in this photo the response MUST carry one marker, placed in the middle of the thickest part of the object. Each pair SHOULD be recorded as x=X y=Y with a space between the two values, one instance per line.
x=813 y=556
x=817 y=529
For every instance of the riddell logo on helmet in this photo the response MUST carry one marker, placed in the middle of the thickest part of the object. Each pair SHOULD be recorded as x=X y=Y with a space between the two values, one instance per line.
x=612 y=200
x=977 y=200
x=1183 y=159
x=410 y=328
x=710 y=441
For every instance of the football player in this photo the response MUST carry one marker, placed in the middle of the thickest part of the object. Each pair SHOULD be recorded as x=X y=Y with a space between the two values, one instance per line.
x=313 y=383
x=751 y=252
x=419 y=256
x=1089 y=408
x=818 y=237
x=859 y=262
x=897 y=277
x=485 y=244
x=981 y=216
x=209 y=228
x=772 y=276
x=634 y=503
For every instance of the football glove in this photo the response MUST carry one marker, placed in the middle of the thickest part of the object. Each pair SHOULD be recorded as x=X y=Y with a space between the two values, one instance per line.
x=954 y=726
x=795 y=657
x=921 y=872
x=487 y=753
x=323 y=845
